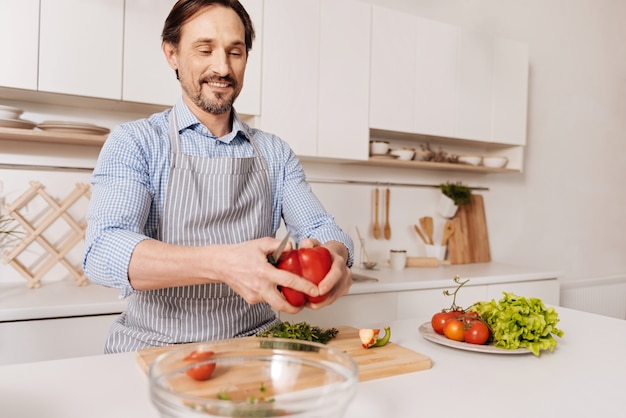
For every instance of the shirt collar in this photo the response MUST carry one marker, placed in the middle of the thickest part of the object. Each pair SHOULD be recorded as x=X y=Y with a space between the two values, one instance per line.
x=187 y=120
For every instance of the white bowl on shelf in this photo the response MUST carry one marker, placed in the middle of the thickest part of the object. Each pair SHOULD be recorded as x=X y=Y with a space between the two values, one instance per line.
x=495 y=162
x=9 y=112
x=404 y=154
x=379 y=147
x=470 y=159
x=420 y=155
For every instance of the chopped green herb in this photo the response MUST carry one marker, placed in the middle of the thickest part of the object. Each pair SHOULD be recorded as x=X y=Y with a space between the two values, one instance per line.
x=300 y=331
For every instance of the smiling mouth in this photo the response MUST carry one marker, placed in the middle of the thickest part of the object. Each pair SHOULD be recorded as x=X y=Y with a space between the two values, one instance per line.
x=218 y=84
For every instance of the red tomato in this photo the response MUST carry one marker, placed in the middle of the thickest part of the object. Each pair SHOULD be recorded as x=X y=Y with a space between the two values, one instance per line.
x=477 y=332
x=202 y=371
x=454 y=329
x=311 y=263
x=439 y=320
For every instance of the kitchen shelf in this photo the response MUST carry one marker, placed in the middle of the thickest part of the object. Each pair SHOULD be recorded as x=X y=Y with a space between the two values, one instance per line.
x=37 y=135
x=429 y=165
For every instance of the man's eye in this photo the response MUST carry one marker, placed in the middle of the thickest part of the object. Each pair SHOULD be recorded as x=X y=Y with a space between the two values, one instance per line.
x=204 y=51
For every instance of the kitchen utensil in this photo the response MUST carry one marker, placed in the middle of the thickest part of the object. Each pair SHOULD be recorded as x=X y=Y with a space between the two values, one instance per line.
x=359 y=278
x=405 y=154
x=374 y=363
x=275 y=256
x=426 y=223
x=397 y=259
x=470 y=241
x=285 y=377
x=420 y=233
x=495 y=162
x=448 y=230
x=376 y=228
x=369 y=264
x=387 y=227
x=425 y=262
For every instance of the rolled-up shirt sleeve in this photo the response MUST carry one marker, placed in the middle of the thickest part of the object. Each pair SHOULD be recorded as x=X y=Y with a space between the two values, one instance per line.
x=117 y=218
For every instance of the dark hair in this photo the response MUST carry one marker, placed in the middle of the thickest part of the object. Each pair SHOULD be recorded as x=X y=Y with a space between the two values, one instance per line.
x=184 y=10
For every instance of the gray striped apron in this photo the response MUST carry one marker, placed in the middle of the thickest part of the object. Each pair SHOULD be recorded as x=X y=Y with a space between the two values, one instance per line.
x=208 y=201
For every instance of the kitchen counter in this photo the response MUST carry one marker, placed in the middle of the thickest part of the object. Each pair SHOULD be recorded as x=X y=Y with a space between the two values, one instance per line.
x=583 y=377
x=65 y=299
x=423 y=278
x=59 y=299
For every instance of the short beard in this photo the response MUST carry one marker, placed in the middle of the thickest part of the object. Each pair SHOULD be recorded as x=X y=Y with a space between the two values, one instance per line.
x=220 y=105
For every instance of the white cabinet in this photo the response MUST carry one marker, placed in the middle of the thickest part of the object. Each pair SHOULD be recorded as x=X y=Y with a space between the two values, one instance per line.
x=52 y=339
x=435 y=78
x=147 y=76
x=314 y=76
x=249 y=100
x=19 y=29
x=350 y=310
x=80 y=47
x=290 y=72
x=432 y=78
x=474 y=86
x=510 y=92
x=392 y=89
x=343 y=100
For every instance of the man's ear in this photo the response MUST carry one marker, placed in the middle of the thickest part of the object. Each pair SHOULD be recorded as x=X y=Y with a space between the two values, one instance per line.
x=170 y=55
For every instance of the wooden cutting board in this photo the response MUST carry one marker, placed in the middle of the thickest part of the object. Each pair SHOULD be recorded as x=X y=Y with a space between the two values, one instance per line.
x=374 y=363
x=470 y=241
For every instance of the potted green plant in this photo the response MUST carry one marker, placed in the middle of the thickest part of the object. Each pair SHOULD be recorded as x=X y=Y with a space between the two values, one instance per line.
x=453 y=195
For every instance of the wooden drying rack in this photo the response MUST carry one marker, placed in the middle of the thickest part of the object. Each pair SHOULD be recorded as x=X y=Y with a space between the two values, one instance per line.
x=34 y=233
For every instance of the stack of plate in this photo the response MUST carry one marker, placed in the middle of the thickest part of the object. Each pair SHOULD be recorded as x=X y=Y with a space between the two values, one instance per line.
x=73 y=127
x=10 y=118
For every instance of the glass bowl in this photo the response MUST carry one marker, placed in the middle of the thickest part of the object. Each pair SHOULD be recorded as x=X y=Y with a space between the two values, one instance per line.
x=254 y=377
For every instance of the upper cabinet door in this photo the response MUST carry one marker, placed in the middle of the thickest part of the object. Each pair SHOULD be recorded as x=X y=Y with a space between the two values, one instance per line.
x=19 y=28
x=147 y=76
x=392 y=88
x=474 y=86
x=344 y=79
x=435 y=78
x=510 y=92
x=81 y=47
x=290 y=72
x=249 y=100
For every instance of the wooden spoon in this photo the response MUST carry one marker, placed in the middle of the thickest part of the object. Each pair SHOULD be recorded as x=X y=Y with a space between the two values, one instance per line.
x=376 y=228
x=426 y=223
x=448 y=230
x=387 y=227
x=419 y=232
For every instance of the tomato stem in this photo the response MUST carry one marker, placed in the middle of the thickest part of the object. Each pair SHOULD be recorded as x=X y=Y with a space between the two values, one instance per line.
x=446 y=292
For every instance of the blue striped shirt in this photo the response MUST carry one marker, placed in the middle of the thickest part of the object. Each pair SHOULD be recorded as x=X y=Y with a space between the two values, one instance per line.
x=130 y=182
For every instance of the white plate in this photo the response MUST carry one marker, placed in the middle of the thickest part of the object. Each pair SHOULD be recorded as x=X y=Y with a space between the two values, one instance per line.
x=429 y=333
x=73 y=127
x=17 y=123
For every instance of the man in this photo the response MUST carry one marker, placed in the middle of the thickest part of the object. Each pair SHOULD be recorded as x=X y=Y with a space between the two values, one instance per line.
x=186 y=203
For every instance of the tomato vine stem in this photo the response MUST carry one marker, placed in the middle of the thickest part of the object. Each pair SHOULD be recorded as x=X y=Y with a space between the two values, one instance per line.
x=457 y=280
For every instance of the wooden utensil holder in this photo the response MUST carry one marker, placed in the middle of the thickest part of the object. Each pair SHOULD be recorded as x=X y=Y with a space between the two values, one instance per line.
x=34 y=233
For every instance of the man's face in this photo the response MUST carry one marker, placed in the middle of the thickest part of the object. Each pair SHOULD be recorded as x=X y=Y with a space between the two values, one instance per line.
x=211 y=59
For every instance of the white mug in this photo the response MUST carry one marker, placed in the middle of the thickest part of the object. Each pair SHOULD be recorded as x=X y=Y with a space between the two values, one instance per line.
x=397 y=259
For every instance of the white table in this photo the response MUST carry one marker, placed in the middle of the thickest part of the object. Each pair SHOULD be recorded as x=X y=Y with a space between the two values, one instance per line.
x=583 y=377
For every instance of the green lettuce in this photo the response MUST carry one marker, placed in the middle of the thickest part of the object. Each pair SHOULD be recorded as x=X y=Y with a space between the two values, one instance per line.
x=518 y=322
